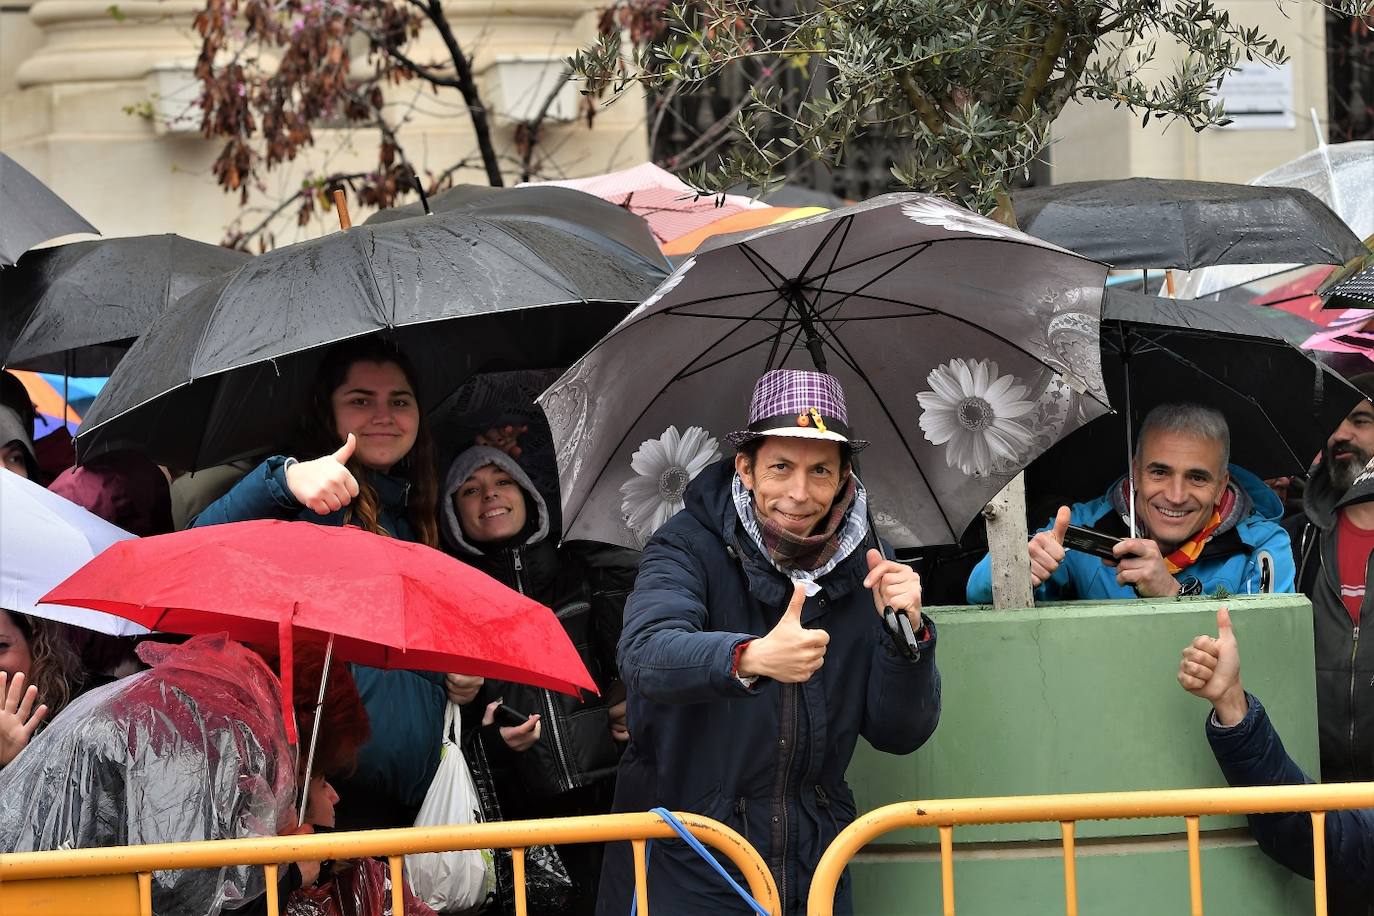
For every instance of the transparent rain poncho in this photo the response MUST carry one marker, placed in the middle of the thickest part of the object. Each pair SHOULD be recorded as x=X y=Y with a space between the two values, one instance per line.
x=192 y=749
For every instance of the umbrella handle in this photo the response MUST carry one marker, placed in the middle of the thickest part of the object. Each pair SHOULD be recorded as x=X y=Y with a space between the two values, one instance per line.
x=341 y=204
x=898 y=625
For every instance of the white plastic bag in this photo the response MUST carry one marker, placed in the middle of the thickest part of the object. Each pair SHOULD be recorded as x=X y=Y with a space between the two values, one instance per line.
x=455 y=880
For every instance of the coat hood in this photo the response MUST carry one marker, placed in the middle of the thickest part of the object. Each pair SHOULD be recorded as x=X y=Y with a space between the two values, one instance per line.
x=124 y=488
x=480 y=456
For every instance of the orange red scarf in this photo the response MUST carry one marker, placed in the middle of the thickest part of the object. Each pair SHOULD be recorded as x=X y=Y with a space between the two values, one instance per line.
x=1188 y=552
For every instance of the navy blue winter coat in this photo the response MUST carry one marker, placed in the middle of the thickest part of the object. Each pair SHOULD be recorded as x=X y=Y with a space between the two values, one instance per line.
x=768 y=760
x=1251 y=754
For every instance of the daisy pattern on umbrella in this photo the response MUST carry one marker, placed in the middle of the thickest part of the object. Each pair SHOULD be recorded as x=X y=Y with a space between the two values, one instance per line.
x=663 y=467
x=935 y=212
x=976 y=414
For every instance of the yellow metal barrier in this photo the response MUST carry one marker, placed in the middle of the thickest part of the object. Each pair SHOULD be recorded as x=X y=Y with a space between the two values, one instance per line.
x=120 y=878
x=1189 y=804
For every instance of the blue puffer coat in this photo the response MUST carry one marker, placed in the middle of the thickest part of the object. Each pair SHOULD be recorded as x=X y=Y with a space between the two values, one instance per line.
x=1251 y=754
x=1231 y=560
x=404 y=708
x=768 y=760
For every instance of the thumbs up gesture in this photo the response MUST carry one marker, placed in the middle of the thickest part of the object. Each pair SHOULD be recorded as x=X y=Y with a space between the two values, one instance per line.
x=790 y=653
x=1211 y=669
x=1046 y=549
x=324 y=485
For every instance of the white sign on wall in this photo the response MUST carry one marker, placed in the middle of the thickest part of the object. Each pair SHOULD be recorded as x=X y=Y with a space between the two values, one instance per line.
x=1259 y=97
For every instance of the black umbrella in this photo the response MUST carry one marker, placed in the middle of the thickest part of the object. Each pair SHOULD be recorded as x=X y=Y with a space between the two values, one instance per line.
x=965 y=349
x=1149 y=222
x=1281 y=403
x=578 y=212
x=30 y=213
x=85 y=303
x=222 y=374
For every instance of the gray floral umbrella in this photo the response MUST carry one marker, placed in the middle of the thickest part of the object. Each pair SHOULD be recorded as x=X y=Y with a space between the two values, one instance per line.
x=965 y=349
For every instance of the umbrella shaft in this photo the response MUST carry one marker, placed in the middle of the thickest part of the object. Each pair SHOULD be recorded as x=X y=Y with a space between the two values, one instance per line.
x=315 y=728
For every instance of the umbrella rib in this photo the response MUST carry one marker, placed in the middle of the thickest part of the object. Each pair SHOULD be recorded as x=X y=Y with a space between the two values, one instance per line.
x=847 y=318
x=691 y=369
x=929 y=312
x=1184 y=361
x=629 y=427
x=768 y=272
x=838 y=346
x=844 y=223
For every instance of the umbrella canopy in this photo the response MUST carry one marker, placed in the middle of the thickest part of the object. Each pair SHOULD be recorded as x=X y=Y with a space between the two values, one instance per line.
x=53 y=410
x=32 y=213
x=578 y=212
x=224 y=374
x=388 y=603
x=86 y=302
x=1149 y=222
x=1280 y=403
x=385 y=603
x=739 y=222
x=1340 y=175
x=670 y=206
x=43 y=540
x=965 y=349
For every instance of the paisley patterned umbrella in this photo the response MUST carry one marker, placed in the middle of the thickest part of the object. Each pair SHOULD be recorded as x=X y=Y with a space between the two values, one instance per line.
x=965 y=349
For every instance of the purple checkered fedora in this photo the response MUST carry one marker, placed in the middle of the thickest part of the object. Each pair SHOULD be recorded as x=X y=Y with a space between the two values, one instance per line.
x=798 y=404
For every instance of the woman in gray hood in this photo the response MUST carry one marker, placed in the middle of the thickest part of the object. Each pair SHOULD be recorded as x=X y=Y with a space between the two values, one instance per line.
x=562 y=760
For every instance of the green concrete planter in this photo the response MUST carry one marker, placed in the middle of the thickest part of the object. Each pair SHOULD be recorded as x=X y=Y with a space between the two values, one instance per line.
x=1082 y=697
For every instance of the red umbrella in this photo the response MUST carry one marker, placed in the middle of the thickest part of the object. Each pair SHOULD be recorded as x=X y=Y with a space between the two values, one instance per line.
x=379 y=601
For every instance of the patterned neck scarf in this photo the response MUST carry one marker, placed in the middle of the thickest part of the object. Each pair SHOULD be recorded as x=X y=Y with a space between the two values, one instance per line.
x=808 y=558
x=1188 y=552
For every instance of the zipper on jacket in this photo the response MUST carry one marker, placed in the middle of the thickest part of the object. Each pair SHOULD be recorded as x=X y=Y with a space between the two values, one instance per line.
x=783 y=859
x=1354 y=650
x=559 y=748
x=518 y=565
x=551 y=716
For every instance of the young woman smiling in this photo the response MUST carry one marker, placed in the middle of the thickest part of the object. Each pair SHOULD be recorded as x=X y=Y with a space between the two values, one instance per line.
x=376 y=472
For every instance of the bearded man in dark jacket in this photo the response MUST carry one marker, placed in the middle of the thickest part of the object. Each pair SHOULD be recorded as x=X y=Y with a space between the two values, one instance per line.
x=1334 y=543
x=755 y=655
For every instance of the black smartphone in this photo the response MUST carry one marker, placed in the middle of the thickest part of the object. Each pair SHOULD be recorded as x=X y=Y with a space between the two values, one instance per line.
x=506 y=715
x=1088 y=541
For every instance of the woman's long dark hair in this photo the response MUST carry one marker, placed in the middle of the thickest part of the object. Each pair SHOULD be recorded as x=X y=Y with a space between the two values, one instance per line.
x=320 y=436
x=54 y=668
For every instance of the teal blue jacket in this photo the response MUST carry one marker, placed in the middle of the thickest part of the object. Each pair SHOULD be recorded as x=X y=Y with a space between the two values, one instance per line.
x=404 y=708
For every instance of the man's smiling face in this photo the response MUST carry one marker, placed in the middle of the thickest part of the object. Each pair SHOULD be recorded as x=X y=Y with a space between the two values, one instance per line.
x=1350 y=447
x=794 y=481
x=1178 y=481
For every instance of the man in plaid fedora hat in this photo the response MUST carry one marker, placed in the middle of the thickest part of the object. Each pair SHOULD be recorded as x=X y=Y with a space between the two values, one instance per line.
x=755 y=654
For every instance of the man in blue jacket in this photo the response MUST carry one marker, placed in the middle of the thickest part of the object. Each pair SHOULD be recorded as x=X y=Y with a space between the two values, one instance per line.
x=1203 y=525
x=754 y=655
x=1250 y=753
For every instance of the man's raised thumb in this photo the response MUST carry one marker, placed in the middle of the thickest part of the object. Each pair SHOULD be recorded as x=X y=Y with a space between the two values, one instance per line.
x=1224 y=624
x=1061 y=523
x=345 y=451
x=794 y=607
